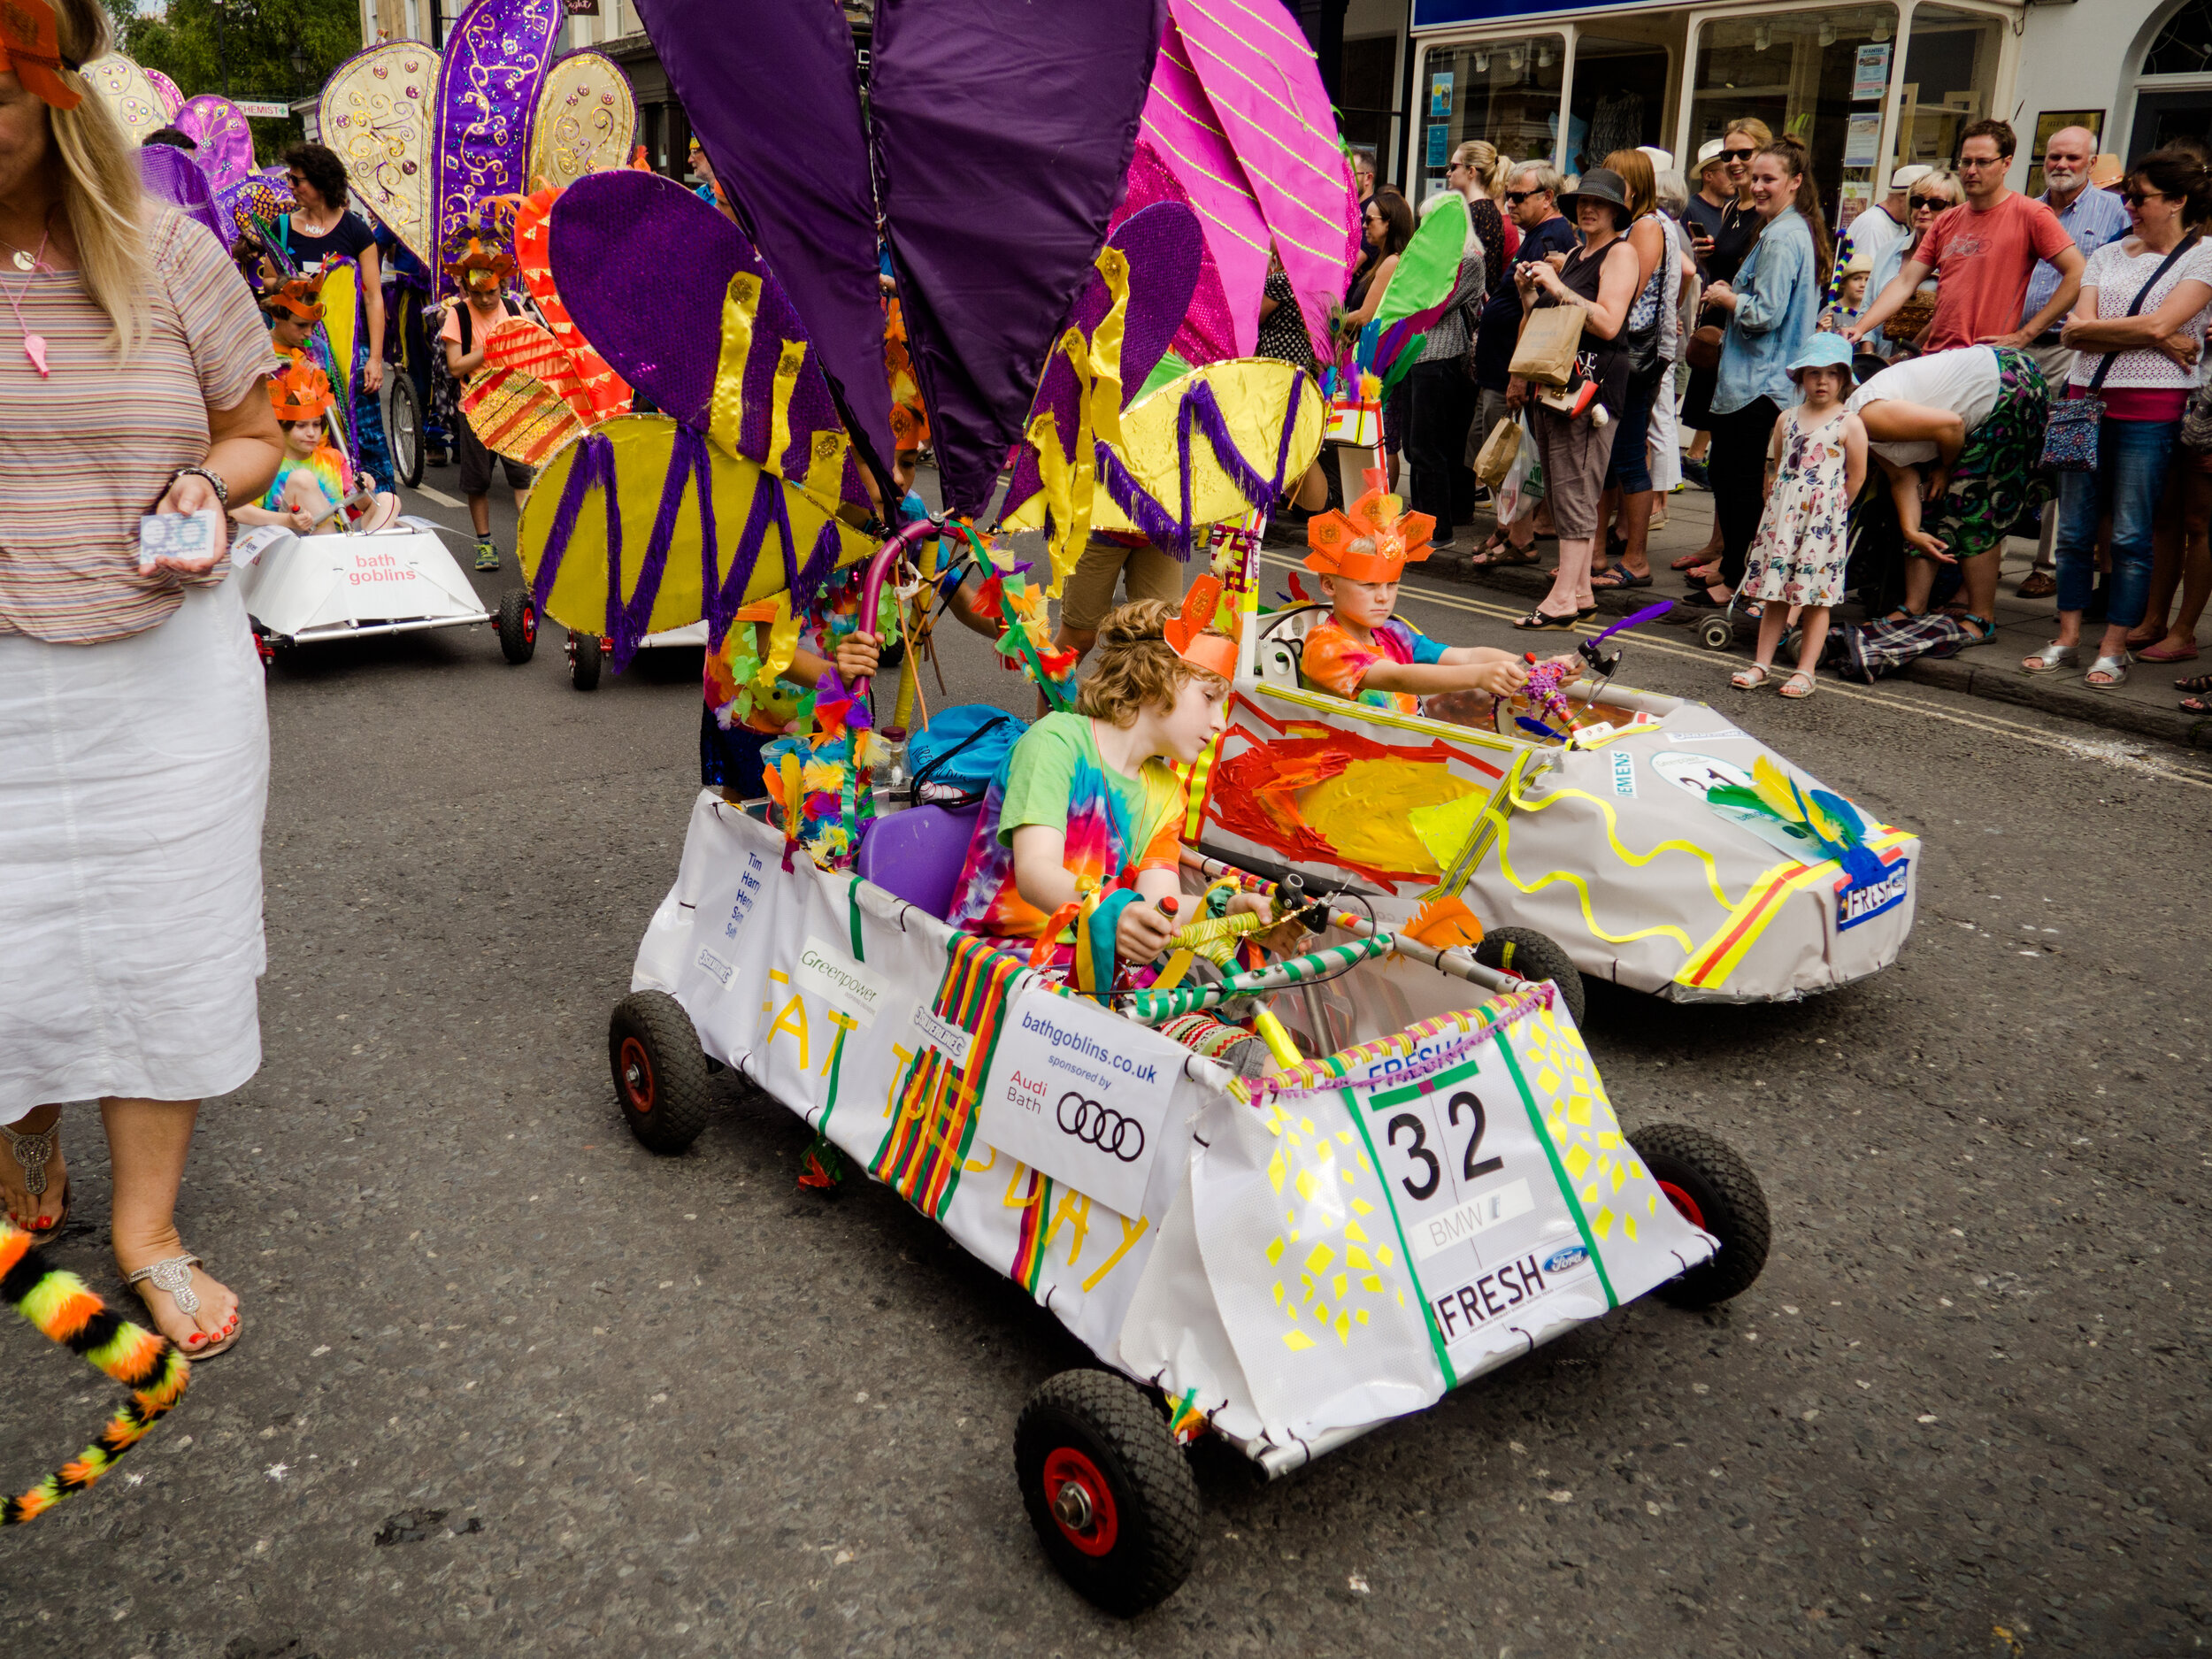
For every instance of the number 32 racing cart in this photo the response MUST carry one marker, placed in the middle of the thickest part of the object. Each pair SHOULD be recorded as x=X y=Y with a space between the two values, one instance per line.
x=1284 y=1260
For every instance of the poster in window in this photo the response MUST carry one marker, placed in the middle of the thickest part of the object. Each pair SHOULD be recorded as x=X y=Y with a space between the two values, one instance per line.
x=1440 y=92
x=1862 y=141
x=2048 y=125
x=1439 y=144
x=1870 y=71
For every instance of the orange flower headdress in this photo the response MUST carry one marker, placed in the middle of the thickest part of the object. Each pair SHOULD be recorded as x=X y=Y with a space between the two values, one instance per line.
x=1192 y=636
x=1400 y=538
x=30 y=45
x=300 y=391
x=297 y=298
x=478 y=255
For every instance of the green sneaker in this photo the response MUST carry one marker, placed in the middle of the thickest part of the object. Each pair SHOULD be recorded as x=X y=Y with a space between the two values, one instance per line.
x=486 y=555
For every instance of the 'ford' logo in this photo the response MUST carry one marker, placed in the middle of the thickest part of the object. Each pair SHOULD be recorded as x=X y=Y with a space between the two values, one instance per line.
x=1573 y=1256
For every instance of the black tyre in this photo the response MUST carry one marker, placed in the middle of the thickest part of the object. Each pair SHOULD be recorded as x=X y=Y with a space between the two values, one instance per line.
x=660 y=1074
x=1716 y=634
x=518 y=626
x=585 y=655
x=1108 y=1490
x=1705 y=1178
x=403 y=428
x=1533 y=956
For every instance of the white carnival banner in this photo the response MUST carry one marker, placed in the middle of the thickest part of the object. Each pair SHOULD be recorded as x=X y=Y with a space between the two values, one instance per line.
x=1296 y=1259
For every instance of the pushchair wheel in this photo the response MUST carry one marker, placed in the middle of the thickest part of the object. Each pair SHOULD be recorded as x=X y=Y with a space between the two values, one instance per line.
x=1716 y=634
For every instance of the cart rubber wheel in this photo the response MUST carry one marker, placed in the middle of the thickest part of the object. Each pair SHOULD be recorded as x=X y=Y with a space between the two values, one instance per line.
x=1533 y=956
x=402 y=428
x=1707 y=1181
x=584 y=655
x=518 y=626
x=1108 y=1490
x=1716 y=634
x=660 y=1074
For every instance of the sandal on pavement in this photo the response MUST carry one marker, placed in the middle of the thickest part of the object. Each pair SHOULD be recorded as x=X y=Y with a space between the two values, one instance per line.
x=1752 y=677
x=33 y=1152
x=1539 y=621
x=1969 y=621
x=1690 y=561
x=2114 y=670
x=1800 y=685
x=1495 y=554
x=2196 y=685
x=2037 y=585
x=2196 y=705
x=1620 y=577
x=2158 y=653
x=174 y=1279
x=2051 y=658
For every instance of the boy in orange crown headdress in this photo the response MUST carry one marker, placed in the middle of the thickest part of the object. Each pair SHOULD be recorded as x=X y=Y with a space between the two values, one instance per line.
x=1361 y=652
x=313 y=477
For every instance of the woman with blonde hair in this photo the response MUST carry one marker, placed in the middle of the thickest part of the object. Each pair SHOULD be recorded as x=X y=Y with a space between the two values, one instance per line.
x=134 y=743
x=1629 y=496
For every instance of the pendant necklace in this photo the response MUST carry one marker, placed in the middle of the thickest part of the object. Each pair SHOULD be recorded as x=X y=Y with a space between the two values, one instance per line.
x=34 y=345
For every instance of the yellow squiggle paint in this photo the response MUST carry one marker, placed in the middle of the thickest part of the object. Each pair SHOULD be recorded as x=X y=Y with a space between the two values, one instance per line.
x=1612 y=826
x=1505 y=867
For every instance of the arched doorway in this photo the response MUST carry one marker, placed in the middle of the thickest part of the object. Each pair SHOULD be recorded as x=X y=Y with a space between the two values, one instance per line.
x=2173 y=89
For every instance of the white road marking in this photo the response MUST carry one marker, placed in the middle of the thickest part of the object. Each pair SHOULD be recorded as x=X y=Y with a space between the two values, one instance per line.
x=438 y=496
x=2107 y=751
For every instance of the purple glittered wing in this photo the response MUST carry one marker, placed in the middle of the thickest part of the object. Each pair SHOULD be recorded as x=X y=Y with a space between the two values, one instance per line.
x=1163 y=244
x=176 y=178
x=1207 y=335
x=617 y=235
x=772 y=89
x=1262 y=90
x=496 y=60
x=1001 y=147
x=172 y=95
x=219 y=127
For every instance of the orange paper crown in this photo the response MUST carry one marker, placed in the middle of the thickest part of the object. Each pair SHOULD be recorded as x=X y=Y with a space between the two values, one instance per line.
x=1191 y=634
x=299 y=390
x=300 y=297
x=30 y=45
x=1400 y=538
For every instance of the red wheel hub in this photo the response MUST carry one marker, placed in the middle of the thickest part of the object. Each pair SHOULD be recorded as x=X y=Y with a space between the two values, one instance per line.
x=1081 y=1503
x=1685 y=1206
x=637 y=1076
x=530 y=624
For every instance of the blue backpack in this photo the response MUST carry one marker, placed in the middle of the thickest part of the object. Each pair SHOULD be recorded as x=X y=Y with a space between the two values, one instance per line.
x=961 y=750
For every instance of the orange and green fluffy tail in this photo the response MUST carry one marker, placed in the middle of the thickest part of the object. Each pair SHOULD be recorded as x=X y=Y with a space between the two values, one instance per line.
x=149 y=1365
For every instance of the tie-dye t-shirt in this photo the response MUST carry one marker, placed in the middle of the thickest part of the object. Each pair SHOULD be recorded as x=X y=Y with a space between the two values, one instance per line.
x=1055 y=776
x=1334 y=662
x=326 y=466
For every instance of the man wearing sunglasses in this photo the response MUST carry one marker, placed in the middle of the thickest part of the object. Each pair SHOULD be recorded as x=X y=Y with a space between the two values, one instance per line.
x=1983 y=255
x=1532 y=197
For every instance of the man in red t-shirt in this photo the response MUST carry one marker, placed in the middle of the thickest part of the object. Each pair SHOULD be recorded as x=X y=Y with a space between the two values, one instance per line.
x=1982 y=254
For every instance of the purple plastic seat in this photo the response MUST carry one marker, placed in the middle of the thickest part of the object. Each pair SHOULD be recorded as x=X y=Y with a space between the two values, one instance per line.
x=917 y=853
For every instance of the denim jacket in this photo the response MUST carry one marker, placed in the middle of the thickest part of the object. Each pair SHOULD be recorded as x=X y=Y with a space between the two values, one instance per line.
x=1778 y=302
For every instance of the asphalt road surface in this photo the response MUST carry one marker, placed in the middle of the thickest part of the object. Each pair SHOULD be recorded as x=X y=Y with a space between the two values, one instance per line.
x=510 y=1384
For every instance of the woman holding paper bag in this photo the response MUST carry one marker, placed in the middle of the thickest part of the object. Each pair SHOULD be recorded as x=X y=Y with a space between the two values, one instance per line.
x=134 y=745
x=1572 y=436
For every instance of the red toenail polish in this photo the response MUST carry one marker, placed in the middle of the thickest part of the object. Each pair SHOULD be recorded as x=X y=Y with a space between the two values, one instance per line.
x=194 y=1339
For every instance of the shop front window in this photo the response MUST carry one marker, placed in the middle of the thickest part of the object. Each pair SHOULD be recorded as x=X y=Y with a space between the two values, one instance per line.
x=1505 y=91
x=1950 y=74
x=1620 y=95
x=1821 y=74
x=2173 y=98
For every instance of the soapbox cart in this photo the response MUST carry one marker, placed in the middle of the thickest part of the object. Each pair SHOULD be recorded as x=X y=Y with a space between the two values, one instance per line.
x=1284 y=1260
x=311 y=590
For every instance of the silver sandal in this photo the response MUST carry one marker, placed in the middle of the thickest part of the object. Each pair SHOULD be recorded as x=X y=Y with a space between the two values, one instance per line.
x=2115 y=669
x=2050 y=658
x=175 y=1277
x=35 y=1152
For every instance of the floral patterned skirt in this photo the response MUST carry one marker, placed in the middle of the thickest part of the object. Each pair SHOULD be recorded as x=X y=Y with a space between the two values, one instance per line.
x=1999 y=478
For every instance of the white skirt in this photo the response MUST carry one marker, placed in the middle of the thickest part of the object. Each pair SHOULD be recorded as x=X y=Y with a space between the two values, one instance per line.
x=134 y=776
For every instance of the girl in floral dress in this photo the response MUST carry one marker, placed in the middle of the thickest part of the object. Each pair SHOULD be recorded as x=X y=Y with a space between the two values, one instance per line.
x=1815 y=462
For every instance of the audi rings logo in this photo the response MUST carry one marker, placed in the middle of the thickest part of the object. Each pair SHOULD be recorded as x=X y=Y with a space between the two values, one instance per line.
x=1101 y=1127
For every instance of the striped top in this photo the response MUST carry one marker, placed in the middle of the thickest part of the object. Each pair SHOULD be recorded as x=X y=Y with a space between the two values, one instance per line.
x=87 y=451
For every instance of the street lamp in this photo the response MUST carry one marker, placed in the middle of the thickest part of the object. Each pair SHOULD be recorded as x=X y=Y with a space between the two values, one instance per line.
x=299 y=68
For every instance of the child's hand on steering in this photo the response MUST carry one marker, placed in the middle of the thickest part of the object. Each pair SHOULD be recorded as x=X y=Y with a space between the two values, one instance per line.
x=1142 y=933
x=857 y=657
x=1284 y=938
x=1501 y=677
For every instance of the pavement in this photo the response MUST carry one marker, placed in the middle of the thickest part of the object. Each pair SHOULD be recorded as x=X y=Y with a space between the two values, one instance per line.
x=510 y=1384
x=2144 y=705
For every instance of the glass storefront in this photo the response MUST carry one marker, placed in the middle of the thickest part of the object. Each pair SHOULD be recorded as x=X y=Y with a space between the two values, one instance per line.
x=1676 y=78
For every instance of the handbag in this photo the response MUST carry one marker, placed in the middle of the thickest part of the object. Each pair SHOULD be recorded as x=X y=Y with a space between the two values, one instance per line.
x=2069 y=443
x=1548 y=345
x=1499 y=450
x=1702 y=353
